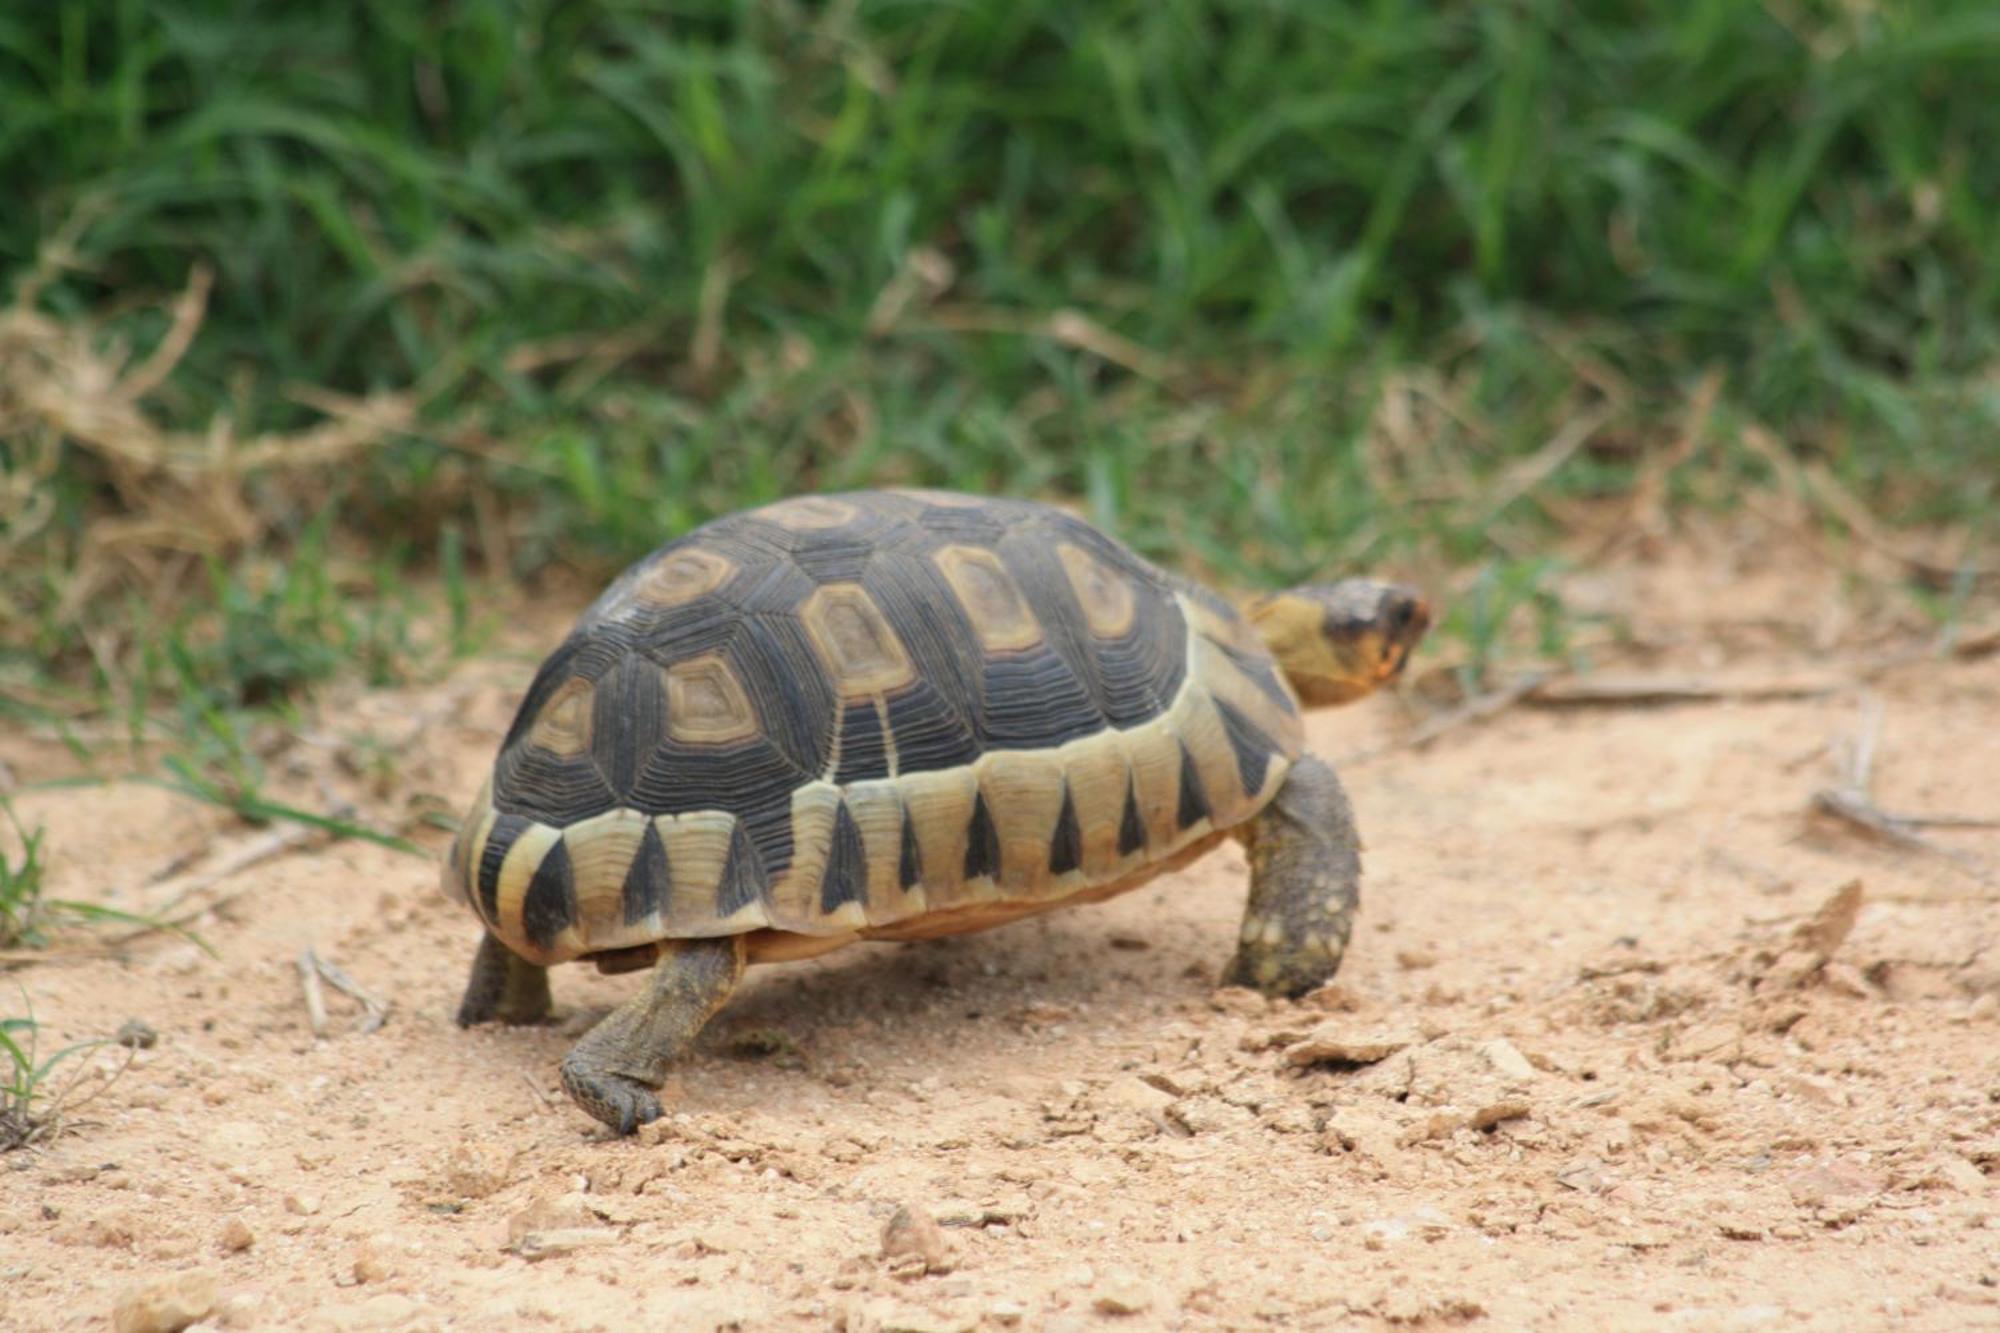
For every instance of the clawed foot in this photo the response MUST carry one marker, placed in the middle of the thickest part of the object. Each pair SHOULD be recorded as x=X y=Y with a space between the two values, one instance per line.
x=1281 y=972
x=620 y=1102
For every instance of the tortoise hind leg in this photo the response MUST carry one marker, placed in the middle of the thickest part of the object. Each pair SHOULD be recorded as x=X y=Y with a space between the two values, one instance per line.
x=1305 y=883
x=503 y=985
x=612 y=1072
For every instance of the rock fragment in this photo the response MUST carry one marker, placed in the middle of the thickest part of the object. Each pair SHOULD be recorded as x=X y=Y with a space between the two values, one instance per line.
x=911 y=1240
x=1339 y=1046
x=164 y=1305
x=1507 y=1060
x=1121 y=1294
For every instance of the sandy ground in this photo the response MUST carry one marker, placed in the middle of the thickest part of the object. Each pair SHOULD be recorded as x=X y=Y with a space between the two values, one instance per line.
x=1601 y=1055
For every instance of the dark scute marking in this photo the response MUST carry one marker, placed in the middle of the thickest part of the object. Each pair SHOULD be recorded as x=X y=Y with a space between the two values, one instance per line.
x=550 y=903
x=833 y=560
x=980 y=526
x=1066 y=848
x=982 y=843
x=1130 y=679
x=773 y=658
x=846 y=877
x=910 y=862
x=589 y=652
x=936 y=718
x=863 y=755
x=930 y=733
x=529 y=780
x=1131 y=828
x=506 y=828
x=769 y=585
x=1253 y=748
x=628 y=720
x=742 y=875
x=1194 y=801
x=650 y=879
x=1033 y=701
x=1260 y=672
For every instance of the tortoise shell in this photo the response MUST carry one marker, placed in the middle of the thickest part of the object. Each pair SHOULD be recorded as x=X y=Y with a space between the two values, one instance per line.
x=881 y=714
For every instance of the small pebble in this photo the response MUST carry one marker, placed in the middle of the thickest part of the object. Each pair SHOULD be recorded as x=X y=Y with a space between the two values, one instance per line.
x=545 y=1215
x=912 y=1237
x=236 y=1236
x=302 y=1205
x=371 y=1265
x=137 y=1034
x=1120 y=1295
x=164 y=1305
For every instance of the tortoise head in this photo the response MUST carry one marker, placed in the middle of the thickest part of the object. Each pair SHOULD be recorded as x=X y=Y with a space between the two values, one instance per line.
x=1337 y=641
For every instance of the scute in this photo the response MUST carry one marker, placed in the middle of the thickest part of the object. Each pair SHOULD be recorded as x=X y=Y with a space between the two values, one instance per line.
x=846 y=713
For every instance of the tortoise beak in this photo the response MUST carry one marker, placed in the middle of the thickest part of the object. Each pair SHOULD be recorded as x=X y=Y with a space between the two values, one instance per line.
x=1407 y=619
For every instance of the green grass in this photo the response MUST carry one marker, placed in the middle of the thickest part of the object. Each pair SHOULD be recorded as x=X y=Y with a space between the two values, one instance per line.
x=29 y=1109
x=636 y=262
x=29 y=919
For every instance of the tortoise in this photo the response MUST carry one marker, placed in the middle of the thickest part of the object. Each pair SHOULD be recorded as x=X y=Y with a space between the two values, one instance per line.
x=892 y=715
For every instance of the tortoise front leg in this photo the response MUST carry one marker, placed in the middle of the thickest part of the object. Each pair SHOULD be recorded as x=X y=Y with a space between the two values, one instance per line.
x=503 y=985
x=611 y=1073
x=1305 y=883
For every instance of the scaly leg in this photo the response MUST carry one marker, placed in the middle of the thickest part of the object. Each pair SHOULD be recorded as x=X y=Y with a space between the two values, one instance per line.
x=612 y=1072
x=1305 y=883
x=505 y=986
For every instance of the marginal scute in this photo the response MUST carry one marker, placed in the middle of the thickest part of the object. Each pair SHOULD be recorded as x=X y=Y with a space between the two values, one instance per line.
x=462 y=863
x=519 y=869
x=1105 y=596
x=793 y=894
x=742 y=883
x=855 y=641
x=697 y=846
x=1155 y=756
x=495 y=842
x=706 y=704
x=563 y=726
x=1253 y=749
x=601 y=855
x=1096 y=782
x=940 y=811
x=999 y=614
x=682 y=577
x=877 y=811
x=1022 y=792
x=548 y=908
x=649 y=881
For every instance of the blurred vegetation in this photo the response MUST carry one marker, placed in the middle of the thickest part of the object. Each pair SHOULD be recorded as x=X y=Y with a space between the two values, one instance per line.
x=309 y=296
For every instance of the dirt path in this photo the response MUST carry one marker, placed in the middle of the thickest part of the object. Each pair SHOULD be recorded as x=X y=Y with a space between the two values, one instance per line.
x=1583 y=1068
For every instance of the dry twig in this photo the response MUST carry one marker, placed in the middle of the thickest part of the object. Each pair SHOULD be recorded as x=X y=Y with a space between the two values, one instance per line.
x=315 y=997
x=312 y=968
x=1850 y=803
x=1477 y=709
x=1611 y=690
